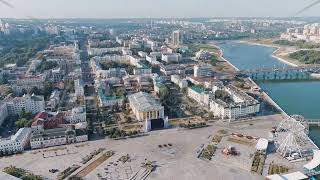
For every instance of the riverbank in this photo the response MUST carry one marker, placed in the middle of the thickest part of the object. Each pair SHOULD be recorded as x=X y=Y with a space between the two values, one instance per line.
x=279 y=54
x=306 y=96
x=265 y=96
x=222 y=57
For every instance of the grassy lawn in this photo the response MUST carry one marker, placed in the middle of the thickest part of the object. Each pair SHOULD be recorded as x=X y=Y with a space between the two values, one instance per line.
x=208 y=152
x=258 y=163
x=277 y=169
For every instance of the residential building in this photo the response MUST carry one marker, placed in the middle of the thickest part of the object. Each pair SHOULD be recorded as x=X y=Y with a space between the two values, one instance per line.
x=76 y=115
x=171 y=58
x=172 y=69
x=239 y=104
x=152 y=59
x=201 y=95
x=54 y=100
x=142 y=71
x=177 y=38
x=28 y=103
x=27 y=83
x=177 y=80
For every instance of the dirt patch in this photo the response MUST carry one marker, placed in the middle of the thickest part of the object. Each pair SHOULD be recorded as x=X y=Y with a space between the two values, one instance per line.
x=93 y=165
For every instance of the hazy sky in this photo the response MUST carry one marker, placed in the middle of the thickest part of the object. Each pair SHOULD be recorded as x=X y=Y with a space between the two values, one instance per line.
x=155 y=8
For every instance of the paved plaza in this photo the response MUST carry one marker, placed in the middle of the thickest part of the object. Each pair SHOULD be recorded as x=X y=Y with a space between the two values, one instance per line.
x=174 y=151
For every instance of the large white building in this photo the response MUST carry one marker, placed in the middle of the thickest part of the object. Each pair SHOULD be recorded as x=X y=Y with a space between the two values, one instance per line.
x=239 y=104
x=17 y=142
x=29 y=103
x=145 y=106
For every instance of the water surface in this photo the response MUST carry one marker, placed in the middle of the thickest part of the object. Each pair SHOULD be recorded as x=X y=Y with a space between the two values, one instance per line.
x=294 y=97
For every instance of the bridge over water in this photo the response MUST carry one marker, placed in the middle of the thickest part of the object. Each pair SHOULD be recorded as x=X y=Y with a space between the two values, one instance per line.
x=281 y=73
x=313 y=121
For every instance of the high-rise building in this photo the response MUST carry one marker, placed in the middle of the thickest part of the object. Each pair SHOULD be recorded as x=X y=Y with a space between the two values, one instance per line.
x=176 y=38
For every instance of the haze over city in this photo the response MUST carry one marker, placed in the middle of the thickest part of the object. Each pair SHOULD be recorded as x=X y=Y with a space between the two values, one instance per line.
x=155 y=9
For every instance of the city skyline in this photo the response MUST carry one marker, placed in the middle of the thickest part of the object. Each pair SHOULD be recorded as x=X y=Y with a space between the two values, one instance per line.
x=149 y=9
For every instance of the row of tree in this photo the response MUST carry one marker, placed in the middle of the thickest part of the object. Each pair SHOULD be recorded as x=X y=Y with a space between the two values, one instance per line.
x=306 y=56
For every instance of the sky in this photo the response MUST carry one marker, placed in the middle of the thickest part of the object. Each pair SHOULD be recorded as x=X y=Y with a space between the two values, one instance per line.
x=155 y=8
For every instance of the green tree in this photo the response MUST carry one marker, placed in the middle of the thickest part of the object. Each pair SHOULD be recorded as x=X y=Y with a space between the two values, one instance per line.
x=20 y=123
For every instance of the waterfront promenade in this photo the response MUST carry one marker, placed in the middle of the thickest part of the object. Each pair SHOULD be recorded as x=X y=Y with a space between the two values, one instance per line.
x=265 y=96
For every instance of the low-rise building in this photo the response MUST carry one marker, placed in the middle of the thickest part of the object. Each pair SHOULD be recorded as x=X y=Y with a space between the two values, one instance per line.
x=203 y=71
x=76 y=115
x=177 y=80
x=57 y=137
x=171 y=58
x=46 y=120
x=142 y=71
x=17 y=142
x=203 y=55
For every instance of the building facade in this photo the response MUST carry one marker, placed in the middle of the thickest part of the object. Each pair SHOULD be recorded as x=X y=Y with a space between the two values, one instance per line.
x=17 y=142
x=145 y=106
x=28 y=103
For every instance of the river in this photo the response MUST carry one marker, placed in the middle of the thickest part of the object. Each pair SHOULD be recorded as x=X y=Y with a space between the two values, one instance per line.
x=294 y=97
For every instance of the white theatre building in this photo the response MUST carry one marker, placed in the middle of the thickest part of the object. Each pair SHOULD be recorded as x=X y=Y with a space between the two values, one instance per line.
x=146 y=108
